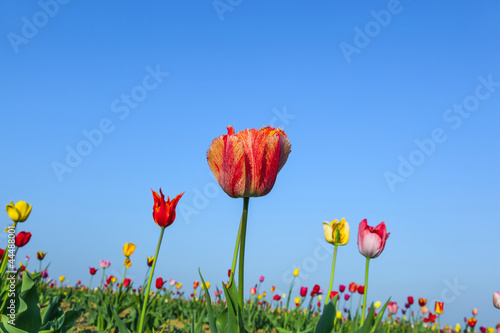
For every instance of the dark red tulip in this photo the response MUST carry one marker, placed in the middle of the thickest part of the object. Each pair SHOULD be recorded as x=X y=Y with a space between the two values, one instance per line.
x=303 y=291
x=92 y=270
x=341 y=288
x=315 y=290
x=361 y=290
x=346 y=297
x=160 y=283
x=22 y=238
x=410 y=300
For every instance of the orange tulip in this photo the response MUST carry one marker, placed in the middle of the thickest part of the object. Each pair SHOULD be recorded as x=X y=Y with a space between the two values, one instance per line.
x=164 y=211
x=439 y=307
x=247 y=163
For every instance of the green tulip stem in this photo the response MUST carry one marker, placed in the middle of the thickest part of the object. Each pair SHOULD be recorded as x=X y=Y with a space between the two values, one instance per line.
x=235 y=255
x=5 y=257
x=123 y=280
x=146 y=295
x=331 y=277
x=242 y=252
x=102 y=278
x=90 y=283
x=366 y=291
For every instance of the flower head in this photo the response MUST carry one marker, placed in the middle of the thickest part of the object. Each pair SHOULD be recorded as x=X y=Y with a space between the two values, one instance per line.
x=104 y=263
x=127 y=263
x=392 y=307
x=410 y=300
x=439 y=307
x=496 y=299
x=353 y=287
x=150 y=261
x=371 y=241
x=18 y=212
x=164 y=211
x=92 y=270
x=61 y=278
x=40 y=255
x=475 y=312
x=472 y=322
x=160 y=283
x=341 y=288
x=336 y=232
x=22 y=238
x=296 y=272
x=422 y=301
x=261 y=279
x=247 y=163
x=303 y=291
x=128 y=249
x=196 y=284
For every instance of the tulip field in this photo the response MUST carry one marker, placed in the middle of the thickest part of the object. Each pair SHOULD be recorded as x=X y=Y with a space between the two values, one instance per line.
x=246 y=165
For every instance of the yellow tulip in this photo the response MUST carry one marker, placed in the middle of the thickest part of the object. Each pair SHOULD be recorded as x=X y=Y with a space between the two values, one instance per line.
x=264 y=293
x=320 y=297
x=18 y=212
x=259 y=297
x=127 y=263
x=339 y=315
x=296 y=272
x=128 y=249
x=61 y=278
x=207 y=284
x=113 y=279
x=336 y=229
x=457 y=327
x=377 y=304
x=490 y=330
x=178 y=285
x=297 y=300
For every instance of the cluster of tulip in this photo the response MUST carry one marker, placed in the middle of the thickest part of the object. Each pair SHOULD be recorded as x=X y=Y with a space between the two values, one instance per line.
x=245 y=164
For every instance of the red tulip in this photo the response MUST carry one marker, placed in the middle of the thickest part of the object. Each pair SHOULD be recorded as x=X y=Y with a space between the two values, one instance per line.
x=353 y=287
x=247 y=163
x=422 y=301
x=164 y=211
x=196 y=284
x=472 y=322
x=276 y=297
x=126 y=282
x=346 y=297
x=361 y=290
x=333 y=294
x=315 y=291
x=2 y=251
x=22 y=238
x=92 y=270
x=341 y=288
x=371 y=241
x=303 y=291
x=160 y=283
x=431 y=318
x=482 y=329
x=228 y=273
x=410 y=300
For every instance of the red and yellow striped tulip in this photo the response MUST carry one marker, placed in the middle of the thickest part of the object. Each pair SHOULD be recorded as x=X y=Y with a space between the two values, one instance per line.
x=247 y=163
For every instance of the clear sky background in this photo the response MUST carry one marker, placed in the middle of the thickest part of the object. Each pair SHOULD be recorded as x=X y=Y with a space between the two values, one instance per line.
x=392 y=110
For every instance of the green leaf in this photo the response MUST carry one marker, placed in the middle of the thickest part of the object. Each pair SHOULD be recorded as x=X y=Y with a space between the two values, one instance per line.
x=232 y=306
x=379 y=316
x=222 y=321
x=119 y=323
x=325 y=324
x=211 y=316
x=369 y=321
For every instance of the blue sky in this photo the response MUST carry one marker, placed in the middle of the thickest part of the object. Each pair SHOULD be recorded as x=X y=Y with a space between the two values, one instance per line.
x=391 y=109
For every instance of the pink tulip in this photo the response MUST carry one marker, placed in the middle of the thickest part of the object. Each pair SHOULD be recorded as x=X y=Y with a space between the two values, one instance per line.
x=261 y=279
x=496 y=299
x=371 y=241
x=392 y=307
